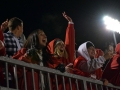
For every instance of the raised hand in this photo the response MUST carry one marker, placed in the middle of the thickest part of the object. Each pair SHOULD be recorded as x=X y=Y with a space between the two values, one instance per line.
x=4 y=25
x=67 y=17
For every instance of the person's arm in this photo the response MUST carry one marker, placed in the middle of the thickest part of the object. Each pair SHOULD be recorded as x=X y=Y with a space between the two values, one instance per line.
x=2 y=49
x=70 y=38
x=92 y=65
x=96 y=63
x=1 y=35
x=4 y=25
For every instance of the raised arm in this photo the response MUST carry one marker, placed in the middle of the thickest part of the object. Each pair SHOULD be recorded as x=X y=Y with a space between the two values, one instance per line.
x=70 y=38
x=4 y=25
x=2 y=49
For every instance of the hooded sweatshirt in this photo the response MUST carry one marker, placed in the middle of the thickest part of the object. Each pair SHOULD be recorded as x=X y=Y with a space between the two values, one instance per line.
x=85 y=64
x=69 y=46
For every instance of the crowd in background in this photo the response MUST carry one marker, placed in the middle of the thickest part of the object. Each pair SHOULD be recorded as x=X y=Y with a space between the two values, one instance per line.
x=87 y=61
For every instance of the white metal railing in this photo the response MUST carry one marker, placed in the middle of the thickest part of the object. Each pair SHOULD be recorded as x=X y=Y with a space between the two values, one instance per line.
x=80 y=82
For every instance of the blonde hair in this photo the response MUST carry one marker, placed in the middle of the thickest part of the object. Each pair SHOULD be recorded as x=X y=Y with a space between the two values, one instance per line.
x=59 y=53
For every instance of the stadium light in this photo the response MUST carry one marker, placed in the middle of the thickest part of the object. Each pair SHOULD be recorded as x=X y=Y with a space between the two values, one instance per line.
x=113 y=25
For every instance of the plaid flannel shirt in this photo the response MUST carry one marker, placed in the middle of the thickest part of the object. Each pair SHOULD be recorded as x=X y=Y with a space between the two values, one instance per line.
x=10 y=43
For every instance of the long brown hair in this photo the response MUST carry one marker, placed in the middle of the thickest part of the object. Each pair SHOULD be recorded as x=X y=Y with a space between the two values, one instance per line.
x=33 y=40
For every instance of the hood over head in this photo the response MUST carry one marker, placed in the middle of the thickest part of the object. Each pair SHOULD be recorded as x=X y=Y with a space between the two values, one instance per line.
x=52 y=44
x=82 y=50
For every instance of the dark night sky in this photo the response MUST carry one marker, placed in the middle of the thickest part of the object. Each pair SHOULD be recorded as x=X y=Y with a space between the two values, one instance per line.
x=47 y=15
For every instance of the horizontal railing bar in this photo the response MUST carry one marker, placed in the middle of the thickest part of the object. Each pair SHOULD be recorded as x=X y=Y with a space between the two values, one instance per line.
x=5 y=88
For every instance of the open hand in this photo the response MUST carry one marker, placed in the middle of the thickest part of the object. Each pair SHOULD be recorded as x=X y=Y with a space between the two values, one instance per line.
x=67 y=17
x=4 y=25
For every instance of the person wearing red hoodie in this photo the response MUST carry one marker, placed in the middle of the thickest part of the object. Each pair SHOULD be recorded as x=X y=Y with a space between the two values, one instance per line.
x=112 y=70
x=89 y=63
x=62 y=53
x=32 y=53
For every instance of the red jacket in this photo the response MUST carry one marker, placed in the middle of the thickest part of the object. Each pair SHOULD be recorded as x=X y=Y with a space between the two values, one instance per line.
x=2 y=51
x=77 y=71
x=55 y=61
x=69 y=44
x=20 y=55
x=112 y=70
x=98 y=72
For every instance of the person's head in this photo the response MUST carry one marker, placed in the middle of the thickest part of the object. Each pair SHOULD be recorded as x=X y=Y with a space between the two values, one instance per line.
x=87 y=50
x=91 y=49
x=57 y=47
x=37 y=39
x=15 y=25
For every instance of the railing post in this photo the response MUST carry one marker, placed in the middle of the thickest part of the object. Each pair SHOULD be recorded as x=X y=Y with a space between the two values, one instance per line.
x=83 y=85
x=6 y=72
x=70 y=84
x=49 y=81
x=76 y=81
x=56 y=82
x=63 y=82
x=24 y=72
x=15 y=74
x=33 y=79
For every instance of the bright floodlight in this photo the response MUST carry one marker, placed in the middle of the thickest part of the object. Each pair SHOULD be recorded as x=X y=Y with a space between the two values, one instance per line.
x=112 y=24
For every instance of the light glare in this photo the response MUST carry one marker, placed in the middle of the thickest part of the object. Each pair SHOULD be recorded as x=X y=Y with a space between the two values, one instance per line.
x=112 y=24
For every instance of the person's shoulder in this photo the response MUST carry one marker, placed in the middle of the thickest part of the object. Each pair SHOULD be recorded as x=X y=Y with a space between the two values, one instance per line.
x=80 y=57
x=7 y=35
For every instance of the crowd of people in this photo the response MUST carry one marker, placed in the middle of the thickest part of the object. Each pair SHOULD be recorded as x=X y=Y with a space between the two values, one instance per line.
x=57 y=54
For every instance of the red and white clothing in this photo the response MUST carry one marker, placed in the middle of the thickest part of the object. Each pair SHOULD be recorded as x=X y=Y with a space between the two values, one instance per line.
x=22 y=56
x=88 y=67
x=70 y=48
x=69 y=45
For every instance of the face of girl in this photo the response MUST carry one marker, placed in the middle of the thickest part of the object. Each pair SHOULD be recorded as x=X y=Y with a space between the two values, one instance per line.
x=61 y=46
x=42 y=38
x=91 y=52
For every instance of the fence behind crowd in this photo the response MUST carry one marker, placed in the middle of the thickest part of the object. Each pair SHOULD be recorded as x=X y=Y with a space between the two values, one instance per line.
x=49 y=78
